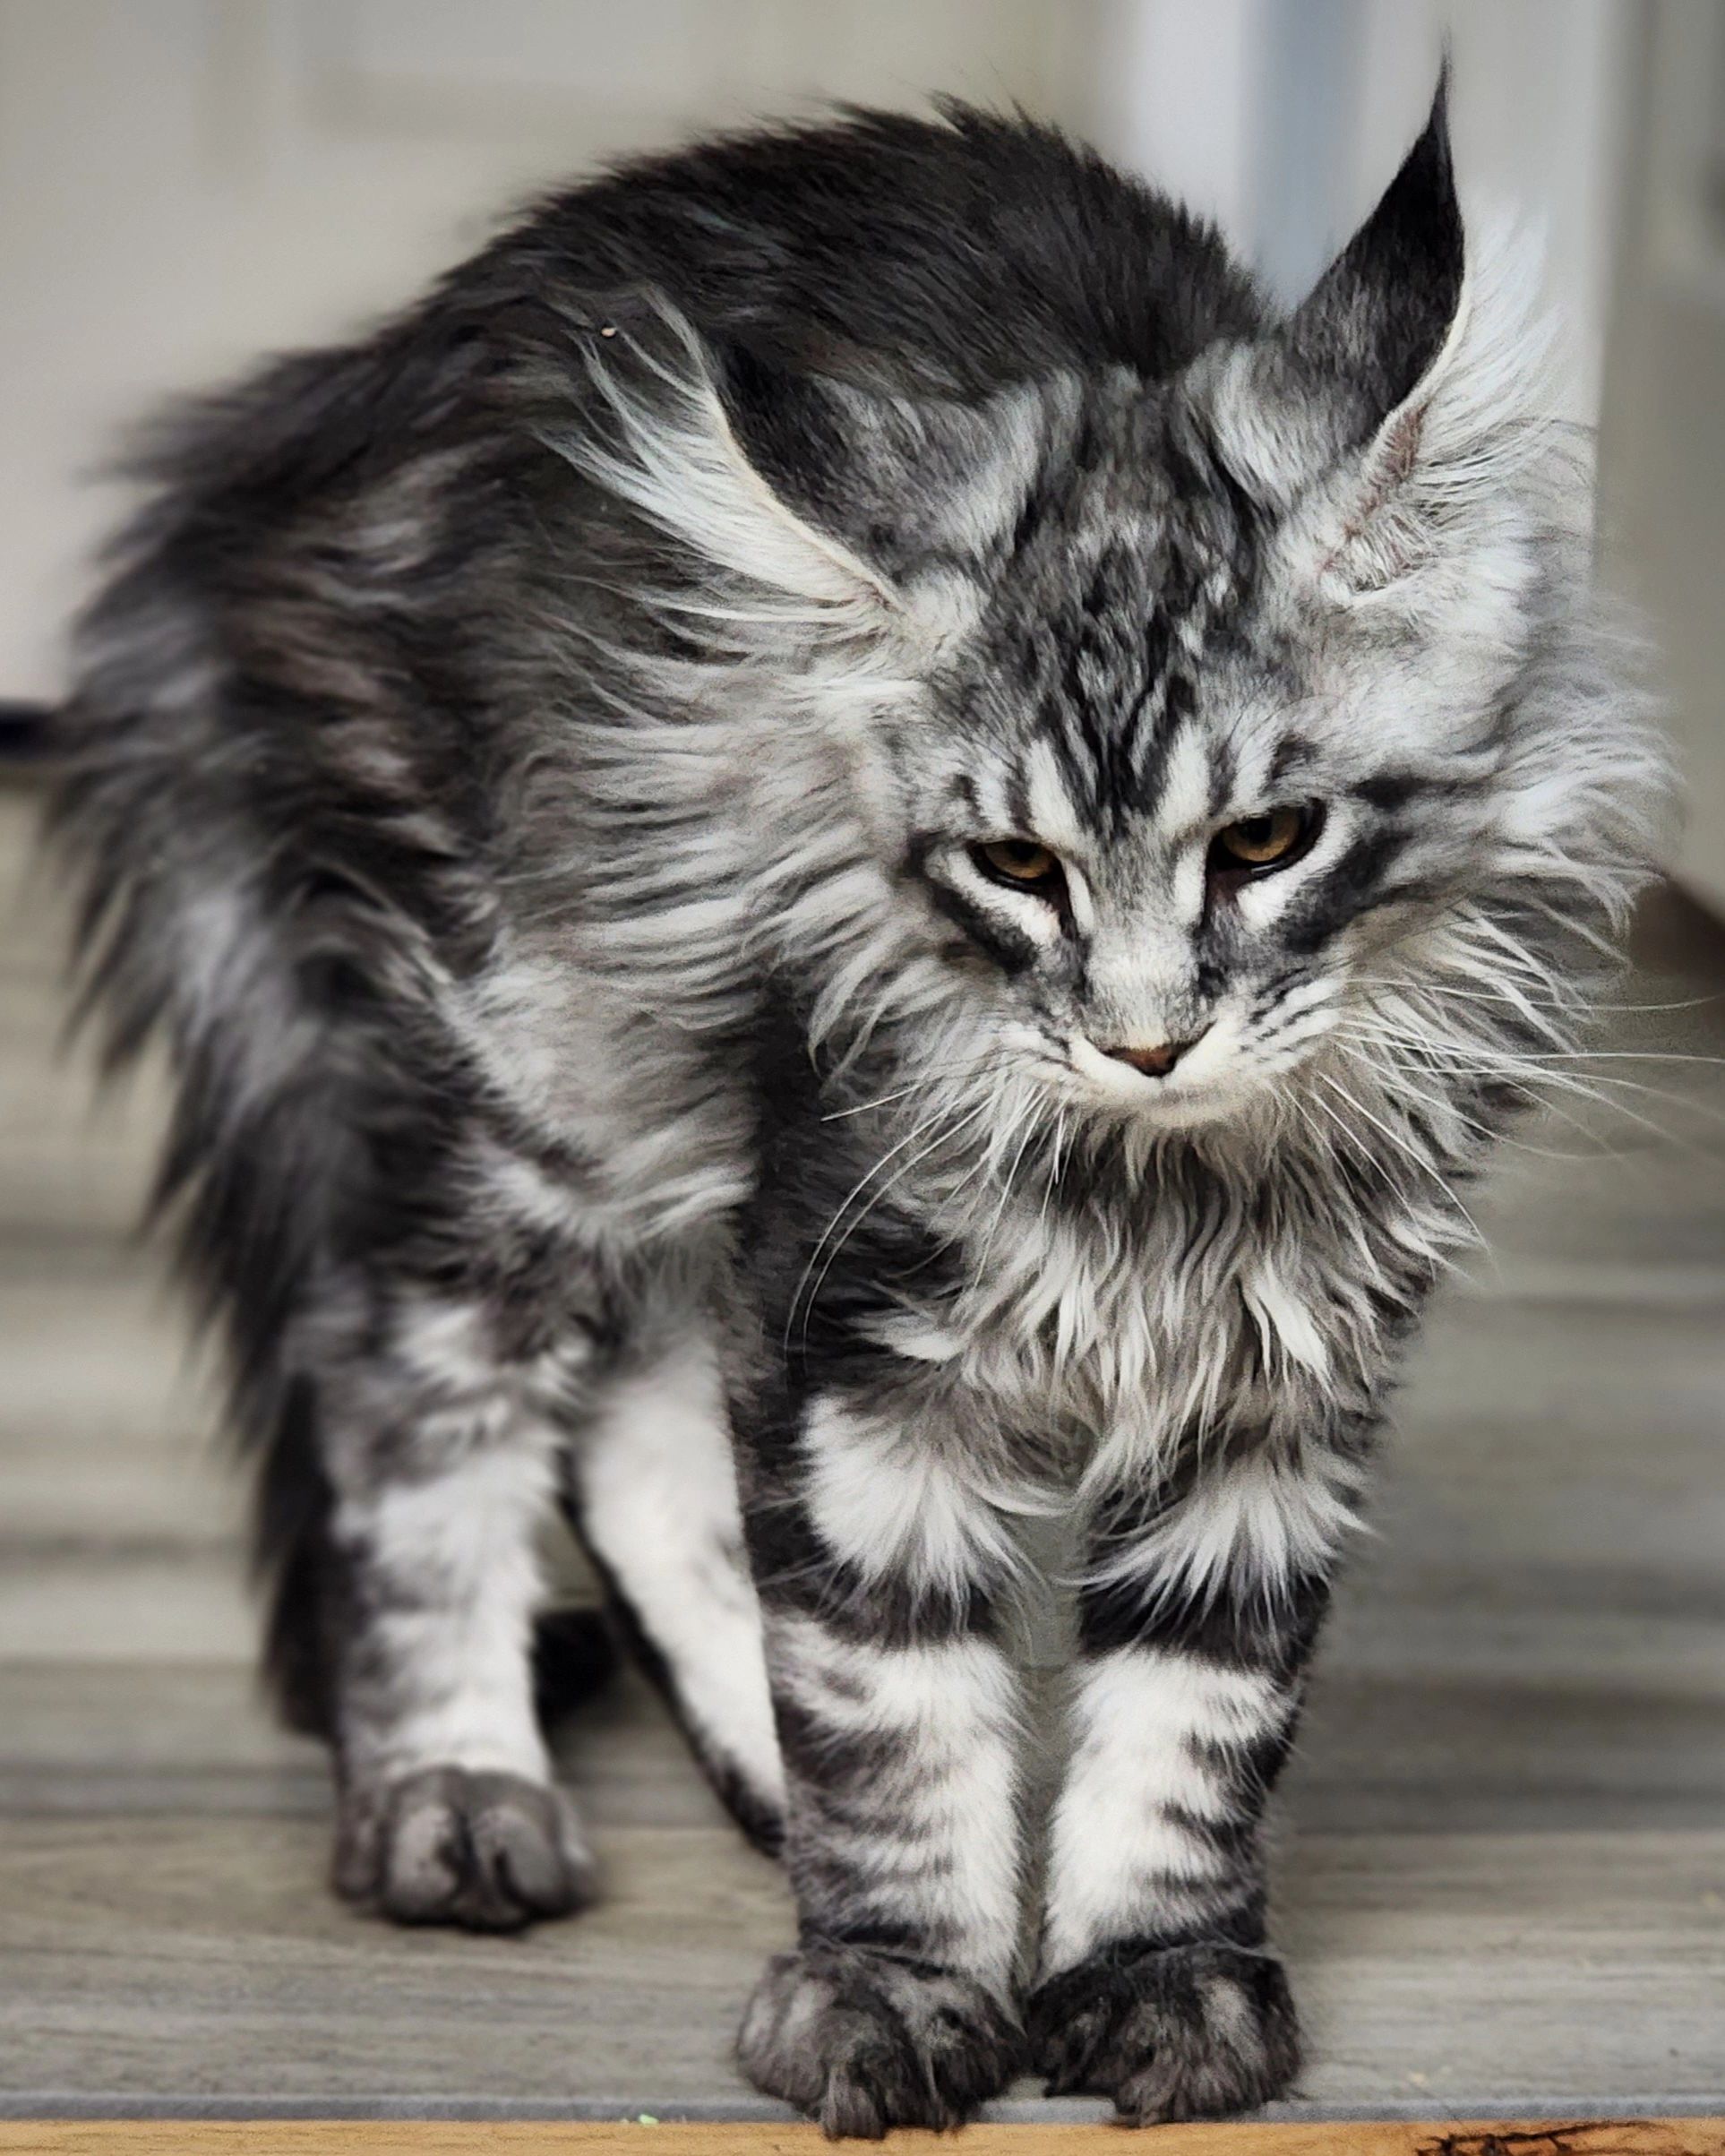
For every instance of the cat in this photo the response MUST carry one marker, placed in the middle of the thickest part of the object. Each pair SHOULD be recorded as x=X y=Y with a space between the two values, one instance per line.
x=843 y=854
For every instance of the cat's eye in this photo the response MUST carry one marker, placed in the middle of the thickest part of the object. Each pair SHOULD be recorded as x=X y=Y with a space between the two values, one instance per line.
x=1272 y=840
x=1020 y=861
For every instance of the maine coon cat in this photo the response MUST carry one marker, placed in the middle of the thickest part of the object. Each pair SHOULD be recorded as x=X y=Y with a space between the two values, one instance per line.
x=842 y=852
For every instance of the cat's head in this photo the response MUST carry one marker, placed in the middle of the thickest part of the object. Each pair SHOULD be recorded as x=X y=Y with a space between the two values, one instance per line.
x=1184 y=719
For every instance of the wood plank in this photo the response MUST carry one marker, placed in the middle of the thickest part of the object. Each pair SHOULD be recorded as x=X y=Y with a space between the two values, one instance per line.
x=334 y=2138
x=1442 y=1749
x=202 y=1964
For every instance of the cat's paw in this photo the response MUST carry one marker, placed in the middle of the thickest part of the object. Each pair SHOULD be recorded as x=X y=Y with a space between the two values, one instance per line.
x=863 y=2042
x=1186 y=2032
x=488 y=1852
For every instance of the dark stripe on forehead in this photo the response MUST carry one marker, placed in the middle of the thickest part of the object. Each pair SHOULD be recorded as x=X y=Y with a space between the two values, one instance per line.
x=1075 y=745
x=1390 y=790
x=1224 y=769
x=1136 y=742
x=1144 y=753
x=1179 y=702
x=1083 y=712
x=1018 y=808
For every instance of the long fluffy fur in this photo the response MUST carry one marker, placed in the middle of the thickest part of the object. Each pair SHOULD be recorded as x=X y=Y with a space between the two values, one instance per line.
x=529 y=766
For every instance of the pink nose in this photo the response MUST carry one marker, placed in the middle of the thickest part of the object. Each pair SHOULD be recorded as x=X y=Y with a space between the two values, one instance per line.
x=1154 y=1062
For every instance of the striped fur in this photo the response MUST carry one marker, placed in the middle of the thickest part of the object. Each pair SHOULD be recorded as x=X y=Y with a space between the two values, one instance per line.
x=536 y=769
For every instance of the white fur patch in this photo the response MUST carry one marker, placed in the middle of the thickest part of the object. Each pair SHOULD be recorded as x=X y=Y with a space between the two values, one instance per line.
x=894 y=1501
x=1183 y=808
x=1117 y=1858
x=1253 y=1524
x=1286 y=1325
x=659 y=1501
x=452 y=1559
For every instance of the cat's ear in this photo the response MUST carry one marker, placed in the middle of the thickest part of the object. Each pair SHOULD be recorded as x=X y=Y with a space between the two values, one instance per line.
x=902 y=482
x=820 y=494
x=1404 y=392
x=1375 y=326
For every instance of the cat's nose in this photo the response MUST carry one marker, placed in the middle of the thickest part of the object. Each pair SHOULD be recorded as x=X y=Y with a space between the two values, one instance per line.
x=1159 y=1061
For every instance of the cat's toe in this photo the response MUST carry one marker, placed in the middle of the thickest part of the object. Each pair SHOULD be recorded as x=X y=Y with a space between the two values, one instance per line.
x=1186 y=2032
x=863 y=2042
x=487 y=1852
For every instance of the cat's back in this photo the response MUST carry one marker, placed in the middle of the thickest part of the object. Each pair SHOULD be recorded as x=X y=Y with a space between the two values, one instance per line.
x=941 y=256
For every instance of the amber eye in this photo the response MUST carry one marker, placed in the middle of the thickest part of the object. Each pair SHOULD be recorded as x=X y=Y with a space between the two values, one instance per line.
x=1257 y=842
x=1021 y=862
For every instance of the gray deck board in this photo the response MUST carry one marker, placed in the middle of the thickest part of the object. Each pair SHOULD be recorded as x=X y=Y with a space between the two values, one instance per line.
x=1502 y=1845
x=142 y=1969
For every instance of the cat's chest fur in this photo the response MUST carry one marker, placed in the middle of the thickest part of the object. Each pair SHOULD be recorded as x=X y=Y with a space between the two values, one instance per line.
x=1123 y=1328
x=1098 y=1316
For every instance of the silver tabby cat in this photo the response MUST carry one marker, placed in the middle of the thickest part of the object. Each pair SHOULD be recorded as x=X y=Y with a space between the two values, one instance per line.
x=842 y=854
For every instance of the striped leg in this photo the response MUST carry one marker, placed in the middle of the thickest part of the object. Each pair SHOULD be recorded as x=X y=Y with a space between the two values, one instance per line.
x=897 y=1717
x=440 y=1472
x=1155 y=1986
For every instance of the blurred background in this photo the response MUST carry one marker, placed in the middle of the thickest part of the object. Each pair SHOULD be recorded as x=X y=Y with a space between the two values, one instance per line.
x=1511 y=1806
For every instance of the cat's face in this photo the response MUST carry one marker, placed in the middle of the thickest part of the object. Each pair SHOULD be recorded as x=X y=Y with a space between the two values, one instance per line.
x=1175 y=790
x=1169 y=962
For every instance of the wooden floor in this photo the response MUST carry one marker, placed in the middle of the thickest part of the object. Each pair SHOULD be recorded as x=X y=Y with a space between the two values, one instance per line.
x=1684 y=2136
x=1502 y=1871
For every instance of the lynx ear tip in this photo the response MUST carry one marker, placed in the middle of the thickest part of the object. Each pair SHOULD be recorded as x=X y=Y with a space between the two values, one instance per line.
x=1439 y=117
x=1432 y=146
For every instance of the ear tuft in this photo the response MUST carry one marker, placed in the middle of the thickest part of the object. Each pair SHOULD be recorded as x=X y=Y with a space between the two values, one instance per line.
x=1400 y=411
x=1448 y=459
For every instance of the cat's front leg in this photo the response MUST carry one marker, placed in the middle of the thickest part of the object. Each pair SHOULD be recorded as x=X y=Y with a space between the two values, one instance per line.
x=898 y=1712
x=1156 y=1986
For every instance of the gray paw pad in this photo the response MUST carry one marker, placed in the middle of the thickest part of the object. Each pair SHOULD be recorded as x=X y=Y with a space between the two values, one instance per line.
x=488 y=1852
x=1188 y=2033
x=862 y=2041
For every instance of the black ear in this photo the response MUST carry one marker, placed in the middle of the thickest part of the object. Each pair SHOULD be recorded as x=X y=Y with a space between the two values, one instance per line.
x=1378 y=316
x=898 y=480
x=830 y=494
x=802 y=434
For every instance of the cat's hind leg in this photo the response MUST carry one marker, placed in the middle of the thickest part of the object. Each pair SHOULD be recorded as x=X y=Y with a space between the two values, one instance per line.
x=653 y=1495
x=440 y=1467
